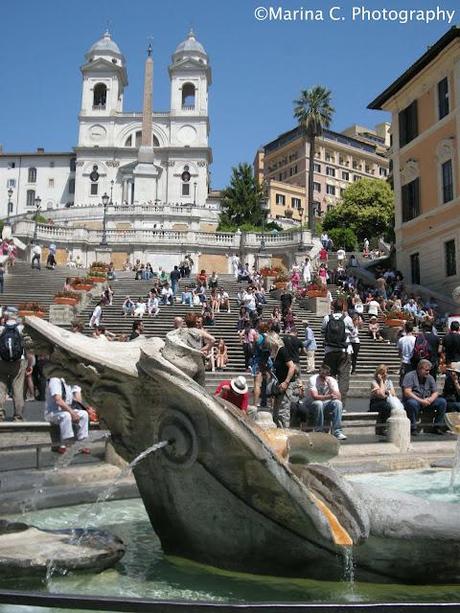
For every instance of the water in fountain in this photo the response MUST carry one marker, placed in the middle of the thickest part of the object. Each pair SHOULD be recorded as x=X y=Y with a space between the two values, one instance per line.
x=95 y=508
x=348 y=565
x=62 y=462
x=455 y=465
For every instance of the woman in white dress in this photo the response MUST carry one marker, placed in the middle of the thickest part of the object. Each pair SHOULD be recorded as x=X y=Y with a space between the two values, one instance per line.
x=306 y=273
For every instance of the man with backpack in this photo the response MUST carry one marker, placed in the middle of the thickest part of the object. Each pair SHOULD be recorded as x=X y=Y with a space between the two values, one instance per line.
x=13 y=364
x=336 y=329
x=426 y=347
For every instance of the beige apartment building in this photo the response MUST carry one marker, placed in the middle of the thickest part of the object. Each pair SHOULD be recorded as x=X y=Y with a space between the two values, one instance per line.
x=340 y=159
x=424 y=102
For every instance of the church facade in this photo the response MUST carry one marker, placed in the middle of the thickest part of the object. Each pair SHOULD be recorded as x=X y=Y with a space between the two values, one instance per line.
x=143 y=158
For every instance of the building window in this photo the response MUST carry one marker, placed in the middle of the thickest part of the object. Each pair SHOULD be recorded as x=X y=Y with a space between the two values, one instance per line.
x=356 y=177
x=316 y=186
x=443 y=98
x=316 y=167
x=382 y=172
x=51 y=164
x=73 y=164
x=408 y=124
x=11 y=183
x=330 y=189
x=32 y=175
x=415 y=268
x=51 y=183
x=280 y=176
x=447 y=181
x=450 y=258
x=293 y=170
x=186 y=189
x=295 y=203
x=99 y=96
x=30 y=200
x=94 y=189
x=345 y=175
x=188 y=96
x=329 y=156
x=71 y=186
x=280 y=199
x=11 y=165
x=410 y=197
x=330 y=171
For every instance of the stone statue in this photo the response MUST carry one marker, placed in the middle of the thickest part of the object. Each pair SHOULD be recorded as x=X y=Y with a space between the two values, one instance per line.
x=230 y=493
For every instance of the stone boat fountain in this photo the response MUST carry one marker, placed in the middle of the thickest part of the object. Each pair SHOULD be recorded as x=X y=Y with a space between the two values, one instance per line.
x=227 y=493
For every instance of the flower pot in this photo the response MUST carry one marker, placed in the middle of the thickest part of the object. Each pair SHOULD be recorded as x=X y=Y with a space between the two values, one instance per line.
x=27 y=313
x=96 y=279
x=316 y=293
x=84 y=287
x=281 y=284
x=64 y=300
x=395 y=323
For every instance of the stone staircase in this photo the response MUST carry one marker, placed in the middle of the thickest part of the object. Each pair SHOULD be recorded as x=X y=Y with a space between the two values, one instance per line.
x=372 y=353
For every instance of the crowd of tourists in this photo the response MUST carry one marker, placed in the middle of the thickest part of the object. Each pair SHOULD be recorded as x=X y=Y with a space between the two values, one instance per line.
x=272 y=342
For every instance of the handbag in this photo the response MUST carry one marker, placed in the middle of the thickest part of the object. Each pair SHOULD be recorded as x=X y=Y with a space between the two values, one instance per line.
x=272 y=386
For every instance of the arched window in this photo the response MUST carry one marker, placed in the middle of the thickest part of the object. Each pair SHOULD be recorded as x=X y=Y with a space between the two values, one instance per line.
x=30 y=197
x=100 y=96
x=188 y=96
x=138 y=140
x=32 y=175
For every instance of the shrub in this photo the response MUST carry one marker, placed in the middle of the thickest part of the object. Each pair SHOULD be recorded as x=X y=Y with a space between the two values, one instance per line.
x=30 y=306
x=343 y=237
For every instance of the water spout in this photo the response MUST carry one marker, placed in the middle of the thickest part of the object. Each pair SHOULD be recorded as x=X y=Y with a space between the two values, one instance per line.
x=453 y=421
x=93 y=511
x=348 y=565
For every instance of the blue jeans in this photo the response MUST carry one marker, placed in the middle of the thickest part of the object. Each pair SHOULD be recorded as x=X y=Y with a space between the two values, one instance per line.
x=318 y=410
x=413 y=408
x=187 y=298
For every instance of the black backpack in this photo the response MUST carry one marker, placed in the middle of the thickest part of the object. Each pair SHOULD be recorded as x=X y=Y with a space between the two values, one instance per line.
x=336 y=335
x=422 y=350
x=11 y=345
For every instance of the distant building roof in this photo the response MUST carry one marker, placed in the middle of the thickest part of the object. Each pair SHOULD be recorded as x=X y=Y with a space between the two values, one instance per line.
x=295 y=133
x=419 y=65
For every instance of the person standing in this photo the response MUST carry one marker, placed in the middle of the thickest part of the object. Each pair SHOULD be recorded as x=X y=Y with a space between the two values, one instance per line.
x=337 y=328
x=340 y=257
x=406 y=348
x=2 y=278
x=451 y=391
x=13 y=364
x=174 y=277
x=306 y=272
x=450 y=343
x=354 y=341
x=96 y=316
x=310 y=347
x=36 y=257
x=285 y=372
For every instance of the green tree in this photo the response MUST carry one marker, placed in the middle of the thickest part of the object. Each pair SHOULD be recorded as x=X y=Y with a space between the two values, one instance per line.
x=314 y=111
x=242 y=199
x=367 y=208
x=343 y=237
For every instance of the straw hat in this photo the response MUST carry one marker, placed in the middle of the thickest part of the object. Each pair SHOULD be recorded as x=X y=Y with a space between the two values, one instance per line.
x=455 y=366
x=239 y=385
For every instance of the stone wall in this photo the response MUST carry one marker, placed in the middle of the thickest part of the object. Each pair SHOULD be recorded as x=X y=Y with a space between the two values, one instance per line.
x=209 y=262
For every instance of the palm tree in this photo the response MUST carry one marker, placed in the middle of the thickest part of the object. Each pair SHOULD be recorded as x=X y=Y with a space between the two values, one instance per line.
x=313 y=111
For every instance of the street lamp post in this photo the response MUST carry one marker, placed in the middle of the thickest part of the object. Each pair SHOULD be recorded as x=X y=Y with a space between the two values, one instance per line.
x=9 y=205
x=194 y=192
x=262 y=238
x=105 y=202
x=37 y=202
x=301 y=243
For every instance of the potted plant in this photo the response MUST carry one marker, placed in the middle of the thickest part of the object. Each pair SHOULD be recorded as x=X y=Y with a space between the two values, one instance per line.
x=81 y=285
x=316 y=289
x=98 y=267
x=96 y=277
x=281 y=280
x=66 y=297
x=31 y=308
x=396 y=318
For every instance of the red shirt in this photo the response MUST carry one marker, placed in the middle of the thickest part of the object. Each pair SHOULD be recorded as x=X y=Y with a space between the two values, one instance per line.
x=239 y=400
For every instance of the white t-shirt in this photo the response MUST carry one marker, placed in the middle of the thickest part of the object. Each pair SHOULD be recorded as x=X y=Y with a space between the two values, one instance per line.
x=55 y=387
x=406 y=347
x=373 y=307
x=323 y=388
x=340 y=254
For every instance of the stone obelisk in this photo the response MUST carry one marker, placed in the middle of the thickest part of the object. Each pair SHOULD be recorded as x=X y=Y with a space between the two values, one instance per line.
x=145 y=173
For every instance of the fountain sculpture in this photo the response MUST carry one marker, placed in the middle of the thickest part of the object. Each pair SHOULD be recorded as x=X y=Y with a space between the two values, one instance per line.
x=228 y=493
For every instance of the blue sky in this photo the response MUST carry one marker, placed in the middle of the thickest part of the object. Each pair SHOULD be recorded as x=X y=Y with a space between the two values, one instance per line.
x=259 y=67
